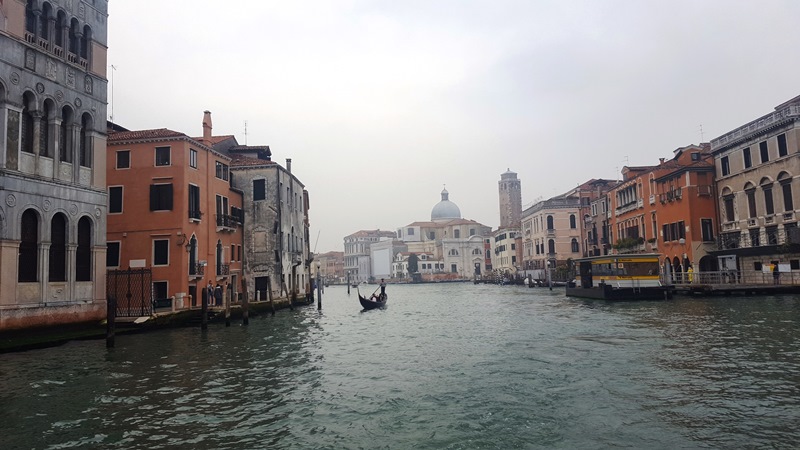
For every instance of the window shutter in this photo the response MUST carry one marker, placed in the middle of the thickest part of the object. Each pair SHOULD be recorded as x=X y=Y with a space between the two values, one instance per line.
x=153 y=197
x=168 y=197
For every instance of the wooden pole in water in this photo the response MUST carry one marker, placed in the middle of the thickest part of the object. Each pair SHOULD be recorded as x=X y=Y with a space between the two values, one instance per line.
x=227 y=299
x=111 y=314
x=269 y=296
x=319 y=290
x=204 y=309
x=348 y=283
x=245 y=304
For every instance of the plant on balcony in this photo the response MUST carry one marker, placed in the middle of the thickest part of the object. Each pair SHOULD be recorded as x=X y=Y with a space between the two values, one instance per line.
x=628 y=243
x=652 y=240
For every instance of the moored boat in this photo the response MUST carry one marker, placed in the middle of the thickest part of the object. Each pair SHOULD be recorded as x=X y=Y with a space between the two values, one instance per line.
x=619 y=277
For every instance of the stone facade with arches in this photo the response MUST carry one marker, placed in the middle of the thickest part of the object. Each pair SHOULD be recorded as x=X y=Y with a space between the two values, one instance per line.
x=52 y=162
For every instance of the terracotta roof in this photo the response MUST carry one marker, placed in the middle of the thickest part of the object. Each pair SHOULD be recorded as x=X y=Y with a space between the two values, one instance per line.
x=244 y=148
x=216 y=139
x=246 y=161
x=159 y=133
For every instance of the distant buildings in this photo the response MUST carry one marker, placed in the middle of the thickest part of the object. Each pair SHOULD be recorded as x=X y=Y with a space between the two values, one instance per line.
x=357 y=261
x=331 y=266
x=510 y=190
x=52 y=162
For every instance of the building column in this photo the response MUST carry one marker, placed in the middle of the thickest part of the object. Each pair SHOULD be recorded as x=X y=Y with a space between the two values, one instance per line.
x=74 y=135
x=44 y=268
x=3 y=125
x=37 y=139
x=72 y=250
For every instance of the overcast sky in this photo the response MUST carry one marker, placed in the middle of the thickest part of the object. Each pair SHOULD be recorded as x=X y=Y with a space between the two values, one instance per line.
x=381 y=103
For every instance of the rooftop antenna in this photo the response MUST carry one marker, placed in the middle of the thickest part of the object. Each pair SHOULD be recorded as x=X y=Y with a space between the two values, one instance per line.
x=702 y=136
x=113 y=69
x=245 y=132
x=317 y=241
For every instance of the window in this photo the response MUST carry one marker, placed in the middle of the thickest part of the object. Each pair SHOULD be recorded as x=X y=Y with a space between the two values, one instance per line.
x=681 y=230
x=572 y=222
x=83 y=254
x=782 y=150
x=551 y=247
x=574 y=245
x=161 y=197
x=456 y=234
x=193 y=158
x=666 y=233
x=755 y=237
x=453 y=268
x=695 y=156
x=222 y=171
x=748 y=161
x=725 y=166
x=786 y=187
x=194 y=202
x=163 y=156
x=410 y=232
x=124 y=159
x=751 y=202
x=239 y=253
x=770 y=208
x=29 y=248
x=114 y=199
x=161 y=252
x=58 y=249
x=112 y=254
x=550 y=223
x=762 y=147
x=259 y=190
x=707 y=229
x=727 y=202
x=160 y=290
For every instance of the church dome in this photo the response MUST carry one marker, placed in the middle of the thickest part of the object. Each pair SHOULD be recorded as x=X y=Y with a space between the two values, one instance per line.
x=445 y=209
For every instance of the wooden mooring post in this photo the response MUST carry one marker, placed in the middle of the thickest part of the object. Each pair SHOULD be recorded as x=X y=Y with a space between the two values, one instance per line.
x=245 y=304
x=111 y=316
x=227 y=299
x=204 y=311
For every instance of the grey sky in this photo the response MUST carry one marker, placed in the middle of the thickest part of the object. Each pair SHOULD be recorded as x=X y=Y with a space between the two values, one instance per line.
x=380 y=103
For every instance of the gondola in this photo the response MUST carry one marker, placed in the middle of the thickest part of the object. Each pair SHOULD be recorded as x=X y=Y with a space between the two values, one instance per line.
x=369 y=304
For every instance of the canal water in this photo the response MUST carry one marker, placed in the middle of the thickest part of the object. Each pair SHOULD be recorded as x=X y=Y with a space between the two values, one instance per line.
x=448 y=366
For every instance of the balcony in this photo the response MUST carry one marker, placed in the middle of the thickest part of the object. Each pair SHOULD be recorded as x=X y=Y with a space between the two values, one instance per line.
x=195 y=215
x=226 y=222
x=630 y=206
x=196 y=271
x=653 y=199
x=223 y=269
x=784 y=239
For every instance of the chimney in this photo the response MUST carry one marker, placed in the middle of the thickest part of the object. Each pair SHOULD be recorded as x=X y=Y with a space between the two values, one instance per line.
x=661 y=160
x=289 y=165
x=207 y=126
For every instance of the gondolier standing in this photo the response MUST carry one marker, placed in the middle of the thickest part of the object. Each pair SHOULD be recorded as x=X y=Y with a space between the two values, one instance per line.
x=383 y=288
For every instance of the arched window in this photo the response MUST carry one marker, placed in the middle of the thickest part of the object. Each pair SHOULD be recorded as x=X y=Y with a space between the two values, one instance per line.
x=86 y=41
x=29 y=102
x=193 y=256
x=74 y=40
x=30 y=18
x=550 y=223
x=727 y=204
x=85 y=142
x=786 y=188
x=572 y=222
x=58 y=248
x=574 y=245
x=219 y=257
x=551 y=246
x=44 y=129
x=64 y=139
x=61 y=31
x=29 y=248
x=766 y=187
x=750 y=192
x=83 y=254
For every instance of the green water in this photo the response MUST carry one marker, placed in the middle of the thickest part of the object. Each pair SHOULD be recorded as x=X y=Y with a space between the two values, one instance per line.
x=452 y=366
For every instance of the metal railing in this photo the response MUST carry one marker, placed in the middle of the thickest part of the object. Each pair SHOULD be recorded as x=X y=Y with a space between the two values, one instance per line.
x=733 y=277
x=763 y=237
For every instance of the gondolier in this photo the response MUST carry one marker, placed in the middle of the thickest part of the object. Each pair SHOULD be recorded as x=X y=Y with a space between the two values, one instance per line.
x=383 y=287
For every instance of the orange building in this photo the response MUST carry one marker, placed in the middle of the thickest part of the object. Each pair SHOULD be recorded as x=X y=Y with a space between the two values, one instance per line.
x=668 y=208
x=685 y=213
x=172 y=210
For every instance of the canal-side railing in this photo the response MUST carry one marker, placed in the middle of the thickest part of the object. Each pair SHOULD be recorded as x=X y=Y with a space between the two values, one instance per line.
x=733 y=277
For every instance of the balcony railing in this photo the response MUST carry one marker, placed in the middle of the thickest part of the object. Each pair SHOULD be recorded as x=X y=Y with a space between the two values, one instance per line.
x=774 y=236
x=72 y=57
x=197 y=270
x=223 y=269
x=227 y=221
x=195 y=214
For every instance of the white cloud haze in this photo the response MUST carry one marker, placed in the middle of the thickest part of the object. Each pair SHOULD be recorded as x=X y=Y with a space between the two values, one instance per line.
x=380 y=103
